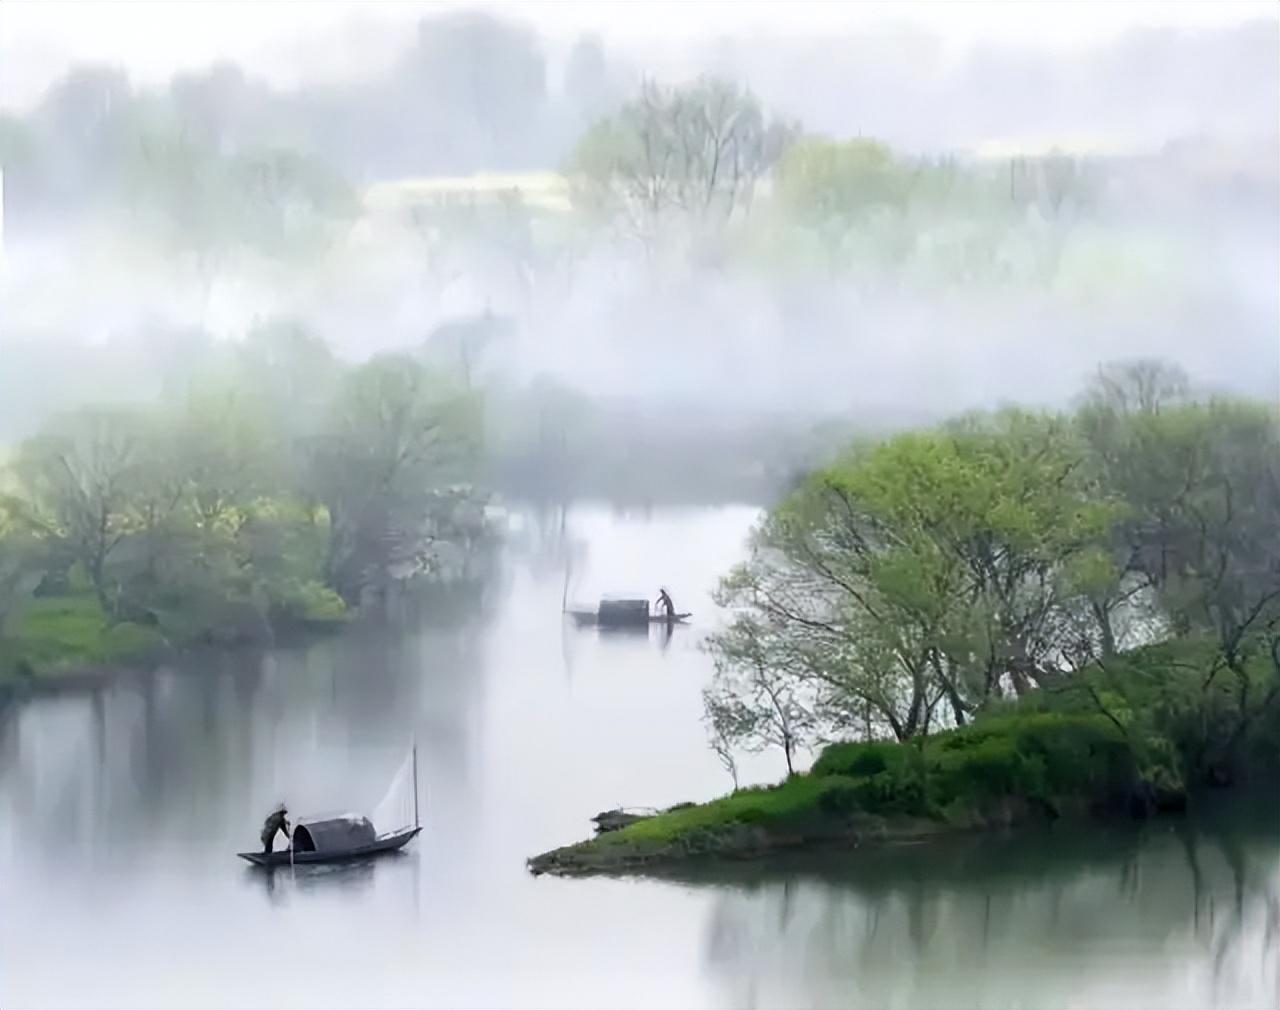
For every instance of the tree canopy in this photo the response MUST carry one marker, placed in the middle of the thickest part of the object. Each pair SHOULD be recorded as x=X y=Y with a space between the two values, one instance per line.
x=925 y=578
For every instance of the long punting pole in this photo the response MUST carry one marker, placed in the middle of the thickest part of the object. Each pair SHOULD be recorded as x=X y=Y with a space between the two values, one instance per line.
x=416 y=822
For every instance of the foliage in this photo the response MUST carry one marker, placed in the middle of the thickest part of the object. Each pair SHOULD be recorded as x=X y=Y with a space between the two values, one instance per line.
x=1023 y=761
x=760 y=806
x=20 y=570
x=921 y=581
x=677 y=156
x=49 y=634
x=272 y=488
x=394 y=434
x=855 y=759
x=930 y=567
x=752 y=702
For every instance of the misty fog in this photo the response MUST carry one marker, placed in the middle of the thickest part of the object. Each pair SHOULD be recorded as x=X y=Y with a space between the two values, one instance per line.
x=366 y=369
x=113 y=227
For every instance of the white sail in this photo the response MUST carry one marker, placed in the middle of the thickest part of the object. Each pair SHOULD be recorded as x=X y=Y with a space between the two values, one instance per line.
x=398 y=810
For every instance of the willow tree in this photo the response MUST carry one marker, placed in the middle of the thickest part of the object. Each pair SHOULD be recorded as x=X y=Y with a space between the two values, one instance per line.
x=81 y=477
x=677 y=158
x=937 y=568
x=20 y=559
x=395 y=434
x=834 y=187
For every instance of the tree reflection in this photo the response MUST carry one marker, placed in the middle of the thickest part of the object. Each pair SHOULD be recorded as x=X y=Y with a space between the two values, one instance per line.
x=1112 y=917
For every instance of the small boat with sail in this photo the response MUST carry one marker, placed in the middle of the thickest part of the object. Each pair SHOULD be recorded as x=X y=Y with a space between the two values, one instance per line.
x=334 y=838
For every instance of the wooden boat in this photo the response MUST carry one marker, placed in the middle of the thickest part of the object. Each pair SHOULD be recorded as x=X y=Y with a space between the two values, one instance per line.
x=355 y=849
x=624 y=612
x=590 y=617
x=337 y=839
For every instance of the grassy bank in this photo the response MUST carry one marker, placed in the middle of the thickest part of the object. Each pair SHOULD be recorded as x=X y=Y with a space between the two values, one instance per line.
x=1117 y=743
x=70 y=633
x=54 y=636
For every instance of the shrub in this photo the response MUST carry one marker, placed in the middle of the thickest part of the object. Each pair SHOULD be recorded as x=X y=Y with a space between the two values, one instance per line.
x=1081 y=755
x=841 y=799
x=992 y=766
x=1039 y=756
x=309 y=602
x=857 y=759
x=64 y=632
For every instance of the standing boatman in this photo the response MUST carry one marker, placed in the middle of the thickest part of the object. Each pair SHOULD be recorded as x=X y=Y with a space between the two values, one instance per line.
x=277 y=820
x=664 y=600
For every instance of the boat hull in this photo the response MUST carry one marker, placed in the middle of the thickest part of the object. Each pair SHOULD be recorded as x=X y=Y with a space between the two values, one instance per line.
x=589 y=617
x=389 y=843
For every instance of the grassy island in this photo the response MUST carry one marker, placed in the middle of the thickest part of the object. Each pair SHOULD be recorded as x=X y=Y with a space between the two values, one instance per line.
x=1052 y=755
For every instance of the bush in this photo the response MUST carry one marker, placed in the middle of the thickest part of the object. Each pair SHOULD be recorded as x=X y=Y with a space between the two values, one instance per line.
x=990 y=766
x=857 y=759
x=1040 y=756
x=1163 y=696
x=879 y=776
x=306 y=602
x=841 y=799
x=1082 y=755
x=72 y=631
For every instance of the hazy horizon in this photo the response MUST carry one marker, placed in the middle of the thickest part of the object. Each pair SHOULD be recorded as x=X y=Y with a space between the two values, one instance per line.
x=925 y=313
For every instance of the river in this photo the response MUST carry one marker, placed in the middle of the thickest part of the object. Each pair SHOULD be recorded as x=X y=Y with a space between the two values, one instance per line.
x=121 y=810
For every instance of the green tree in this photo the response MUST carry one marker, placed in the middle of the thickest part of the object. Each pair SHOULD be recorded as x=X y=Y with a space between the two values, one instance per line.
x=688 y=157
x=21 y=561
x=754 y=702
x=833 y=187
x=937 y=565
x=81 y=475
x=394 y=434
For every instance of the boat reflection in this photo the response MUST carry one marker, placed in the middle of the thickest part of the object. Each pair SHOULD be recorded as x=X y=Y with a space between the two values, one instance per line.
x=352 y=877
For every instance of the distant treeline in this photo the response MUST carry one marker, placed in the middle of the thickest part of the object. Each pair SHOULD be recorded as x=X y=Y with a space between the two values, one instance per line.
x=269 y=484
x=216 y=167
x=552 y=443
x=227 y=489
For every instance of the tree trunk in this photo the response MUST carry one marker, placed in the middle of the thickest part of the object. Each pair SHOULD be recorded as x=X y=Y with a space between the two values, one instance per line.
x=1103 y=616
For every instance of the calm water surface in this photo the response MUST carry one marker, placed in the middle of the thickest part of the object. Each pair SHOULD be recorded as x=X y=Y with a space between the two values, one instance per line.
x=120 y=811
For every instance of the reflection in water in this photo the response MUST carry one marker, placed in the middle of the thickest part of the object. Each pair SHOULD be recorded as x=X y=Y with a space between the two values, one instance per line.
x=352 y=877
x=1179 y=913
x=121 y=810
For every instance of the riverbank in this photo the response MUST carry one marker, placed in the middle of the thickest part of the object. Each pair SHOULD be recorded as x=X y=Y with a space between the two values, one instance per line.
x=1121 y=742
x=995 y=774
x=61 y=642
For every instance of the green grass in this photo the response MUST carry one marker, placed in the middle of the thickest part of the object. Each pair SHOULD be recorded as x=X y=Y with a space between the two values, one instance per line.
x=69 y=632
x=1038 y=758
x=765 y=805
x=1051 y=752
x=1134 y=734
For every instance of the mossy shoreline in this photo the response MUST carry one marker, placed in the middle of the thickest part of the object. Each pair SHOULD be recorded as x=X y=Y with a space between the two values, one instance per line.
x=65 y=643
x=1125 y=740
x=733 y=841
x=1007 y=771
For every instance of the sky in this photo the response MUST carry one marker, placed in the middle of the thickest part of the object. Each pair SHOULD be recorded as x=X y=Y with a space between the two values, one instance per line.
x=291 y=40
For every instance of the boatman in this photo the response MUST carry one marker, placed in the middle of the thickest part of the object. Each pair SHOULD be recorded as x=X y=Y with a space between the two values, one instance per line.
x=277 y=820
x=664 y=600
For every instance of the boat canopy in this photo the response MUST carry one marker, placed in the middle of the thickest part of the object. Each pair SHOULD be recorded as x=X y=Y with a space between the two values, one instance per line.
x=624 y=611
x=332 y=834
